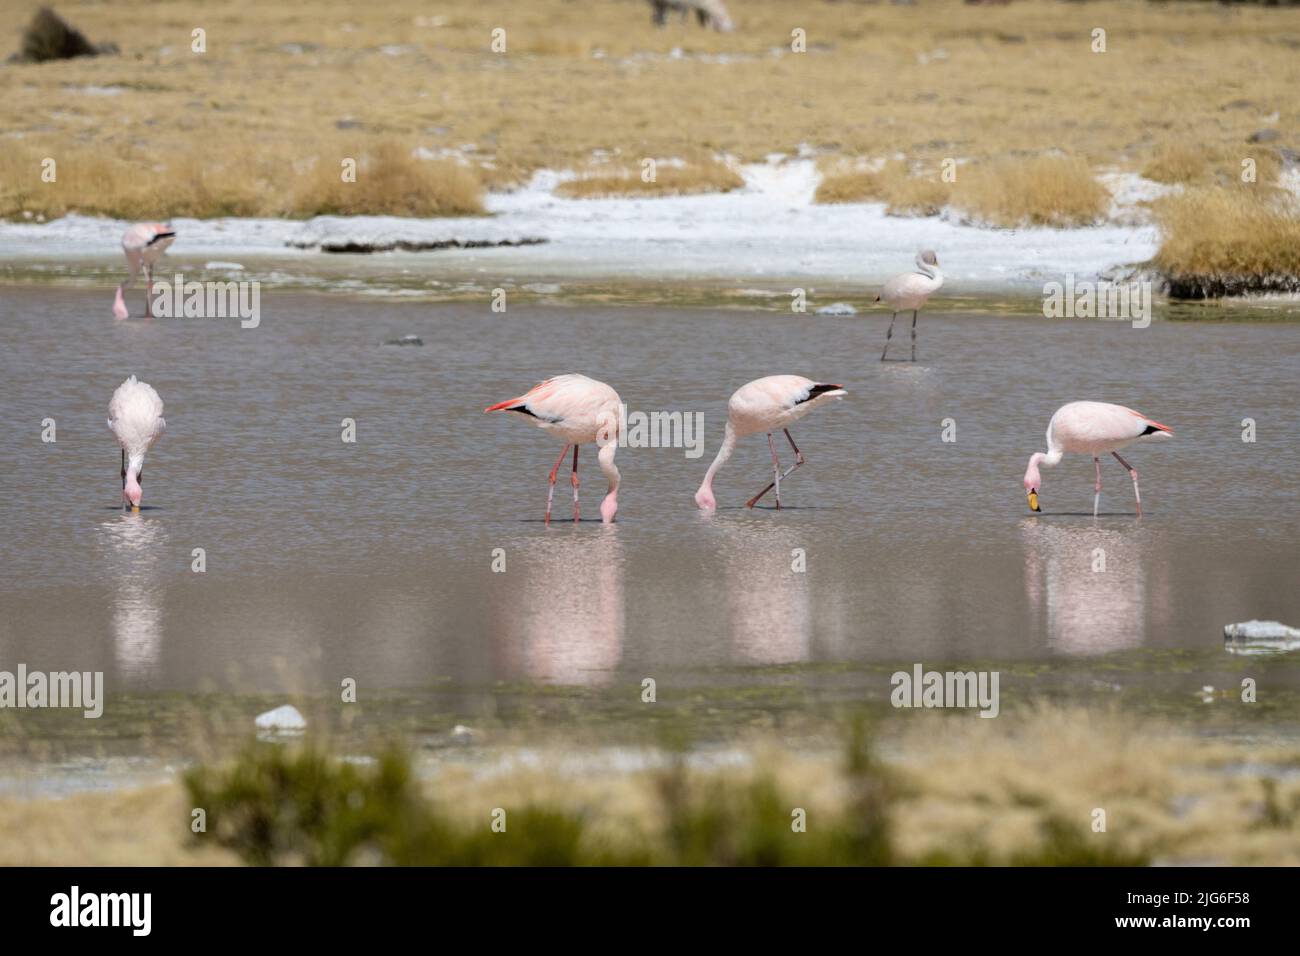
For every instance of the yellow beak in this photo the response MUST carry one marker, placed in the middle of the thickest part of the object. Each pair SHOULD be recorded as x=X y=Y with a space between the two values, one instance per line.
x=1033 y=501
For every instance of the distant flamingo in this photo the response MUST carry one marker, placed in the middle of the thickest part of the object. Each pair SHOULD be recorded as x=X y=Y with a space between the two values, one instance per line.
x=910 y=291
x=144 y=243
x=764 y=405
x=1092 y=428
x=135 y=418
x=579 y=410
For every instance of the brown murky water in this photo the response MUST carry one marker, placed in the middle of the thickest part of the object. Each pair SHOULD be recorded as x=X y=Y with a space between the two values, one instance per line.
x=374 y=560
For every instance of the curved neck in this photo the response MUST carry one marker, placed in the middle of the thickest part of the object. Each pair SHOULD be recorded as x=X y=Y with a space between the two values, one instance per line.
x=724 y=452
x=929 y=271
x=606 y=459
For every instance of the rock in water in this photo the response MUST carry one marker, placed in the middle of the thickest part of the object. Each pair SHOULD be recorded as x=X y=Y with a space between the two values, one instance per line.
x=284 y=719
x=1260 y=637
x=837 y=308
x=405 y=340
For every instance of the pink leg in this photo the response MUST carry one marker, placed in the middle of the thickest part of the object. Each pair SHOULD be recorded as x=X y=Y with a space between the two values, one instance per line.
x=574 y=478
x=148 y=292
x=1096 y=495
x=1132 y=473
x=780 y=475
x=551 y=493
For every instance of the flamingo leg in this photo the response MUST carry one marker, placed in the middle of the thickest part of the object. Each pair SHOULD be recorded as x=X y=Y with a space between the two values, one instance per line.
x=781 y=475
x=1132 y=473
x=551 y=493
x=1096 y=492
x=123 y=479
x=574 y=479
x=889 y=335
x=148 y=292
x=914 y=335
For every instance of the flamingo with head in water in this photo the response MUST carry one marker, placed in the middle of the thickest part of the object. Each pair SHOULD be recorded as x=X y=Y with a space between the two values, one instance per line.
x=135 y=419
x=910 y=291
x=1092 y=428
x=766 y=405
x=578 y=410
x=144 y=243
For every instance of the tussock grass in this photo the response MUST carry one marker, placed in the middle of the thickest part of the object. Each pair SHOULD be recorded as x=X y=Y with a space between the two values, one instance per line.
x=906 y=192
x=1195 y=164
x=1037 y=191
x=1040 y=190
x=698 y=175
x=133 y=183
x=1227 y=241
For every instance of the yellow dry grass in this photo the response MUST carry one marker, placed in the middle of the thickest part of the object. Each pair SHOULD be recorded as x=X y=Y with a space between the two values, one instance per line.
x=932 y=80
x=1192 y=163
x=969 y=789
x=134 y=183
x=1009 y=192
x=1229 y=232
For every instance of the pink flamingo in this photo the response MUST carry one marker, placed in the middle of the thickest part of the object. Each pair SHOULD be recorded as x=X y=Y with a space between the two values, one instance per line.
x=135 y=418
x=579 y=410
x=910 y=291
x=1092 y=428
x=144 y=243
x=764 y=405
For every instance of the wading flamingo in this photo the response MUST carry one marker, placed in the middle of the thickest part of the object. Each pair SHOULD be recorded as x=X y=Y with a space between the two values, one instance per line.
x=144 y=243
x=135 y=418
x=764 y=405
x=1092 y=428
x=909 y=291
x=578 y=410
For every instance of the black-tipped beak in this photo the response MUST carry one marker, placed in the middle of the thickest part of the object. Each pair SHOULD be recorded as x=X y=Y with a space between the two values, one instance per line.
x=1033 y=501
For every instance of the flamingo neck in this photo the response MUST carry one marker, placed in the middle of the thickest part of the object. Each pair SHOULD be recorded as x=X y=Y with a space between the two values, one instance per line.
x=724 y=452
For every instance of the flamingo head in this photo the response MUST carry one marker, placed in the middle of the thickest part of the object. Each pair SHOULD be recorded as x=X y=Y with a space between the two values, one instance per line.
x=609 y=507
x=704 y=498
x=119 y=305
x=132 y=492
x=926 y=257
x=1033 y=481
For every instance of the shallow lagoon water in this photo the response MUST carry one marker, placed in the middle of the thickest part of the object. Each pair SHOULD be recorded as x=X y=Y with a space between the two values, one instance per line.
x=374 y=560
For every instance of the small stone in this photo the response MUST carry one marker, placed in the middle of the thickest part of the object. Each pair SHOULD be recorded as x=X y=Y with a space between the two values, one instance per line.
x=837 y=308
x=405 y=340
x=1263 y=136
x=460 y=734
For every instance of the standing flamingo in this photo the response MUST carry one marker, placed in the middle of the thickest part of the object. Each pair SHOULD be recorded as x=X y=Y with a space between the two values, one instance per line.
x=1092 y=428
x=910 y=291
x=135 y=418
x=764 y=405
x=144 y=243
x=579 y=410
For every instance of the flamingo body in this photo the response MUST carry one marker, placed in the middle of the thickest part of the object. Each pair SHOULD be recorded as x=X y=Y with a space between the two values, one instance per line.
x=766 y=405
x=579 y=410
x=1095 y=429
x=143 y=244
x=135 y=419
x=909 y=292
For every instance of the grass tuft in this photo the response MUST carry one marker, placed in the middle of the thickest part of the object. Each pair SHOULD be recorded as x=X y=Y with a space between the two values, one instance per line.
x=1228 y=241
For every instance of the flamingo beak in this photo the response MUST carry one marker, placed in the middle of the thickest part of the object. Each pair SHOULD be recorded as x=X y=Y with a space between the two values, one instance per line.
x=1033 y=501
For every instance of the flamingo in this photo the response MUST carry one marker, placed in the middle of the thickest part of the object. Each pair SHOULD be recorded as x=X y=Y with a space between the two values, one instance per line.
x=1093 y=428
x=579 y=410
x=764 y=405
x=135 y=418
x=144 y=243
x=910 y=291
